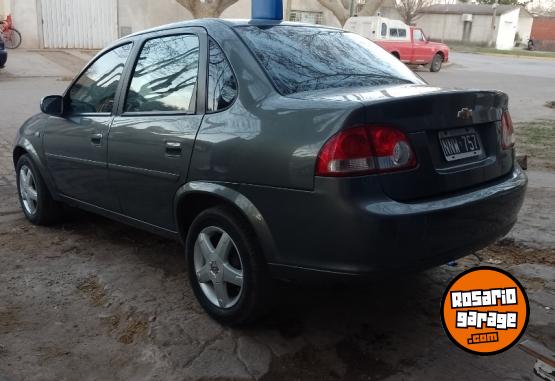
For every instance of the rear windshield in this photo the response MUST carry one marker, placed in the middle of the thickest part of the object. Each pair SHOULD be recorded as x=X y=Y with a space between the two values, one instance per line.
x=299 y=58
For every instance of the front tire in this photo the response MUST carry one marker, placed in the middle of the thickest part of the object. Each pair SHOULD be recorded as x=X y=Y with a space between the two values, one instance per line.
x=36 y=202
x=435 y=66
x=227 y=271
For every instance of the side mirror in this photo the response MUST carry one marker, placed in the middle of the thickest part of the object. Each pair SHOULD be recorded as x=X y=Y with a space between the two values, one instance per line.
x=52 y=105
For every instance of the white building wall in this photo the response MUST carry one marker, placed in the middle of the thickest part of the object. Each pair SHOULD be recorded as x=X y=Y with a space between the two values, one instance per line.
x=507 y=26
x=136 y=15
x=481 y=29
x=524 y=30
x=449 y=27
x=441 y=27
x=4 y=9
x=24 y=13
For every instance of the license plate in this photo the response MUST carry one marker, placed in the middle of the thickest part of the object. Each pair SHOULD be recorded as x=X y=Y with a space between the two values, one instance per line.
x=459 y=144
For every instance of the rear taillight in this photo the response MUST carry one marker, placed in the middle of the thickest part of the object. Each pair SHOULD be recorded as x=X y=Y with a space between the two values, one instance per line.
x=507 y=131
x=365 y=149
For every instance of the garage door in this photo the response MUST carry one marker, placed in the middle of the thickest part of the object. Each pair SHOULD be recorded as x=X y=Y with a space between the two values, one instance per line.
x=82 y=24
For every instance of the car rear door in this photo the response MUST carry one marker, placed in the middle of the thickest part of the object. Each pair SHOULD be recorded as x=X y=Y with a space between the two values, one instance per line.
x=75 y=143
x=159 y=113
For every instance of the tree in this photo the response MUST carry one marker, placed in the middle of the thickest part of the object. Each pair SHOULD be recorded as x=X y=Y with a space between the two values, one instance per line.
x=342 y=8
x=503 y=2
x=543 y=9
x=409 y=9
x=206 y=8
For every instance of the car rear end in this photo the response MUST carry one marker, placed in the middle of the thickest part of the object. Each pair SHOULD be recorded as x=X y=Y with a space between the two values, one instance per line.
x=418 y=178
x=413 y=177
x=3 y=53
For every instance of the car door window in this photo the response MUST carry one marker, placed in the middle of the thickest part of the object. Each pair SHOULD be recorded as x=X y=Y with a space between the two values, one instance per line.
x=222 y=84
x=384 y=29
x=418 y=36
x=165 y=77
x=95 y=90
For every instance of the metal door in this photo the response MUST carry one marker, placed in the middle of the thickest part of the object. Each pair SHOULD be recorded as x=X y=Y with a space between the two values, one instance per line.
x=79 y=24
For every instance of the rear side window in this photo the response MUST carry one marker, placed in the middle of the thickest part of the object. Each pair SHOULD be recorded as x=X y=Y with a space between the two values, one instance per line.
x=384 y=29
x=311 y=58
x=165 y=77
x=222 y=84
x=397 y=32
x=95 y=90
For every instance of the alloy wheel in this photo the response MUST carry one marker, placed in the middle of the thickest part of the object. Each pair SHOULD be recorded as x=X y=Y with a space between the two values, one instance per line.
x=218 y=267
x=28 y=190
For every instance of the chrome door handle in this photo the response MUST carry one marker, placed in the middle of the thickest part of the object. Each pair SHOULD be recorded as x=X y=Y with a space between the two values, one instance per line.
x=173 y=148
x=96 y=139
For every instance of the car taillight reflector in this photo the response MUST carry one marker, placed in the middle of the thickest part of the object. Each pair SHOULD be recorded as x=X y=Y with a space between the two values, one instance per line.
x=507 y=131
x=365 y=149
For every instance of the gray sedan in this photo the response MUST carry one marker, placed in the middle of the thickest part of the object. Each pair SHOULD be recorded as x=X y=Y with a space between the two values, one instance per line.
x=274 y=150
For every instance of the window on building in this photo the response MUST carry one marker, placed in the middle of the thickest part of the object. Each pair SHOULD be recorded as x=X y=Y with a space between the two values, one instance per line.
x=307 y=17
x=165 y=77
x=222 y=84
x=95 y=90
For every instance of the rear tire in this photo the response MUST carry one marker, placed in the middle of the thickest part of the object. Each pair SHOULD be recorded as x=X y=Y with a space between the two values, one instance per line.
x=36 y=202
x=435 y=66
x=227 y=271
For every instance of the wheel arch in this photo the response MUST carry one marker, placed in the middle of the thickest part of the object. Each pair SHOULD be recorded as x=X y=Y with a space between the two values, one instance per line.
x=24 y=147
x=194 y=197
x=396 y=54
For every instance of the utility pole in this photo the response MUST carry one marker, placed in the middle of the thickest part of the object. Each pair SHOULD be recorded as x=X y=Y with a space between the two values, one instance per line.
x=493 y=19
x=352 y=10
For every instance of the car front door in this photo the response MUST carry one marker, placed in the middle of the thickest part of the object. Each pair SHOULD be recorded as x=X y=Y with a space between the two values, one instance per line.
x=152 y=136
x=75 y=143
x=419 y=47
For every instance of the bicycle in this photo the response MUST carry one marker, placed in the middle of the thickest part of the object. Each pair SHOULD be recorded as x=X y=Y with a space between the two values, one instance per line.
x=11 y=36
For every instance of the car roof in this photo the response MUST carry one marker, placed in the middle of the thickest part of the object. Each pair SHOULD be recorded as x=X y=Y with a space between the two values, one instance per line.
x=209 y=22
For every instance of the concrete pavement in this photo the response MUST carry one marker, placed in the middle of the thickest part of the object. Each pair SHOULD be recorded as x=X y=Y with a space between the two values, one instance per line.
x=529 y=82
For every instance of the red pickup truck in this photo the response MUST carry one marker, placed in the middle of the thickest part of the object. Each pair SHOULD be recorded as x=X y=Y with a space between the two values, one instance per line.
x=418 y=50
x=407 y=43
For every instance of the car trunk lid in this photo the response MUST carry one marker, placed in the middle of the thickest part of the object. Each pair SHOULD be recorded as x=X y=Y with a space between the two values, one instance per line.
x=438 y=123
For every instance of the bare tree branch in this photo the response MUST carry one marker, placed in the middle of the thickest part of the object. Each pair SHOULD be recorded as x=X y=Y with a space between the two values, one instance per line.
x=409 y=9
x=342 y=8
x=206 y=8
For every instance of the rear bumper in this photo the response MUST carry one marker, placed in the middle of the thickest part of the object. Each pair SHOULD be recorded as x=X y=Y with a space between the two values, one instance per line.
x=355 y=235
x=3 y=57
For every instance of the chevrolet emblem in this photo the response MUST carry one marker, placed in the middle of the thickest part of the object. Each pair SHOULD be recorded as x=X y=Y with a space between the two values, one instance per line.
x=465 y=113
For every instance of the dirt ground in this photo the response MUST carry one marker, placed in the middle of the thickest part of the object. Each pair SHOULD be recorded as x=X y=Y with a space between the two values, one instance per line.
x=92 y=299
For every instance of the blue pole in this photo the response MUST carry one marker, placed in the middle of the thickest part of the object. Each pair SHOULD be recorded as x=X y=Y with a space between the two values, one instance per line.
x=267 y=9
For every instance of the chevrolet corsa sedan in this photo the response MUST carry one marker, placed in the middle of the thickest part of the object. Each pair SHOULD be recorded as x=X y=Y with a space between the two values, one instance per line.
x=274 y=150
